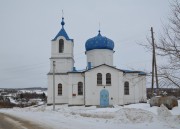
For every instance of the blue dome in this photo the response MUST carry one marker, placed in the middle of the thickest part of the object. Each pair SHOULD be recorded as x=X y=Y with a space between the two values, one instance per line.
x=99 y=42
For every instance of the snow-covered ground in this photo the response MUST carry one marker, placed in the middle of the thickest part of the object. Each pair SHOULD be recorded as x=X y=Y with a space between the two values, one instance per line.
x=34 y=91
x=134 y=116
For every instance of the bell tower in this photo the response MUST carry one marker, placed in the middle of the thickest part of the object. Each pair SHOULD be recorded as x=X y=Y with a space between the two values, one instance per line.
x=62 y=51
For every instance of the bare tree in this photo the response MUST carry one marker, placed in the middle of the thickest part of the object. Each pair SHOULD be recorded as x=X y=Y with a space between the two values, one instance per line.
x=168 y=47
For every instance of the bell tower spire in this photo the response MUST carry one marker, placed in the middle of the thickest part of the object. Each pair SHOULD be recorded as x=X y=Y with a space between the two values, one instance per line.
x=99 y=34
x=62 y=13
x=62 y=22
x=62 y=32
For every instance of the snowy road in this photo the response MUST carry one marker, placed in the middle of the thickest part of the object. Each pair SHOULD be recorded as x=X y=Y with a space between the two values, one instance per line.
x=9 y=122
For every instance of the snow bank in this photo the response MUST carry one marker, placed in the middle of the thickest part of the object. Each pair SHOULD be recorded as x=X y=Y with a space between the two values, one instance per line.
x=165 y=115
x=100 y=115
x=132 y=115
x=135 y=116
x=163 y=111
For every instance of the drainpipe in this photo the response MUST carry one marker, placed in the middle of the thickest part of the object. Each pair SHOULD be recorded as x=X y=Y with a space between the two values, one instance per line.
x=118 y=87
x=84 y=88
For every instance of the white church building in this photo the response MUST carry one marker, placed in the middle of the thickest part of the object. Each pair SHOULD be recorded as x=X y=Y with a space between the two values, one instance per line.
x=100 y=83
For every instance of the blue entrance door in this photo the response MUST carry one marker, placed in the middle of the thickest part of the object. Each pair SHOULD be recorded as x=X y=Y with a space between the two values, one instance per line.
x=104 y=98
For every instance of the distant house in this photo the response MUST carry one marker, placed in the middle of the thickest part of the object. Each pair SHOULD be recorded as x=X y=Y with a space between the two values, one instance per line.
x=4 y=93
x=100 y=83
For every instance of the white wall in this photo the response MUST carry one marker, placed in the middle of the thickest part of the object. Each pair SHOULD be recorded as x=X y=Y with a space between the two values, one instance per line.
x=92 y=92
x=142 y=88
x=64 y=61
x=68 y=48
x=63 y=79
x=69 y=81
x=62 y=65
x=137 y=88
x=100 y=56
x=74 y=78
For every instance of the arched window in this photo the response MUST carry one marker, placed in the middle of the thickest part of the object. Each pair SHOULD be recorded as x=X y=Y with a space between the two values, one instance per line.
x=99 y=79
x=126 y=88
x=108 y=79
x=59 y=89
x=61 y=46
x=80 y=88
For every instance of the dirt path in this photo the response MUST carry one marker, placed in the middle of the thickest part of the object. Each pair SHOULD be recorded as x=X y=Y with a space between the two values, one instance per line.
x=11 y=122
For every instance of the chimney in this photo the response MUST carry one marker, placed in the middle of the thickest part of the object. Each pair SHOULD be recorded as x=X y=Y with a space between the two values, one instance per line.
x=89 y=65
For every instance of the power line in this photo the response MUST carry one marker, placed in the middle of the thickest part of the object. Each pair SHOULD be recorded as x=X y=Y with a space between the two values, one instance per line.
x=25 y=66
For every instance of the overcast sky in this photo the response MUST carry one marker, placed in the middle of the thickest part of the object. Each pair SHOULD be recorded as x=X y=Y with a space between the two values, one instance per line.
x=28 y=26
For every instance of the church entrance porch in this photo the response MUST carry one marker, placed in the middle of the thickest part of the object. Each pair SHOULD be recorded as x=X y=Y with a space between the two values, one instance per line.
x=104 y=98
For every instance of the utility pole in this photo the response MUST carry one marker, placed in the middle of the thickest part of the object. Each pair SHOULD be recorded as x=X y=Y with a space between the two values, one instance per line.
x=54 y=85
x=154 y=65
x=157 y=83
x=153 y=51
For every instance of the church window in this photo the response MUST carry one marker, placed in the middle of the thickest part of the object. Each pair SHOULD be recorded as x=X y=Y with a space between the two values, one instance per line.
x=59 y=89
x=80 y=88
x=99 y=79
x=108 y=79
x=61 y=46
x=126 y=88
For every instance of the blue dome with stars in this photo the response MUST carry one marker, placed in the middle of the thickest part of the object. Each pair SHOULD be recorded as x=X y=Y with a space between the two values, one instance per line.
x=99 y=42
